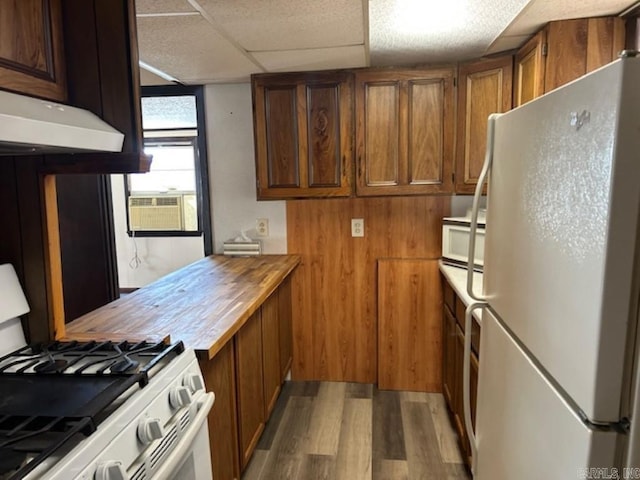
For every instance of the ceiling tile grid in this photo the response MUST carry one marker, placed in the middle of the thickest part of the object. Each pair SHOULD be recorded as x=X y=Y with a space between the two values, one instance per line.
x=216 y=41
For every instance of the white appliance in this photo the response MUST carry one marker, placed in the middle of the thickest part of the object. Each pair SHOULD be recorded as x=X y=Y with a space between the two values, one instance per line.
x=30 y=125
x=455 y=242
x=559 y=387
x=97 y=410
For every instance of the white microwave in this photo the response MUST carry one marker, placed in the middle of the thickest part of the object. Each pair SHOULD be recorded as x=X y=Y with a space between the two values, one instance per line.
x=455 y=242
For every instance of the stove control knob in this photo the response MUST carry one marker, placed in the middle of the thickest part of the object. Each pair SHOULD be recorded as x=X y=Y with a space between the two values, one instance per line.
x=110 y=470
x=179 y=397
x=149 y=430
x=193 y=382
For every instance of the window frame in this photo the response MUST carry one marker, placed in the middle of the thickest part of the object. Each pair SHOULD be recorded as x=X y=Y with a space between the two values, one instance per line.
x=201 y=168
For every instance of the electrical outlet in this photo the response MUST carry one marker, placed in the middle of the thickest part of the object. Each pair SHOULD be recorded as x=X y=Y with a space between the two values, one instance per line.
x=262 y=227
x=357 y=227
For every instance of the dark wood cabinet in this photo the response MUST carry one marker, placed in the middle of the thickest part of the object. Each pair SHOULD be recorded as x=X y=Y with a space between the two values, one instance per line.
x=250 y=387
x=285 y=327
x=453 y=331
x=31 y=48
x=270 y=352
x=404 y=131
x=303 y=133
x=219 y=377
x=484 y=87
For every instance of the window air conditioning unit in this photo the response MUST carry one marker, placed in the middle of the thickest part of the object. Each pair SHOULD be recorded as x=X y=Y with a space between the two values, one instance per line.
x=156 y=213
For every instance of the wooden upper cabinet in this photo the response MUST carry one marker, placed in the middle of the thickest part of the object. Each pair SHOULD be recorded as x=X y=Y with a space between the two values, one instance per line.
x=484 y=88
x=303 y=134
x=529 y=70
x=31 y=48
x=576 y=47
x=564 y=51
x=404 y=131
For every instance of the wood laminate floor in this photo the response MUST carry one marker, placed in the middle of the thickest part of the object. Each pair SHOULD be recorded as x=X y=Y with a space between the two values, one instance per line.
x=349 y=431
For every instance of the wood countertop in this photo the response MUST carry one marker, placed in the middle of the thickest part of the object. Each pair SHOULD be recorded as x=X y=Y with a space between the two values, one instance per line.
x=203 y=304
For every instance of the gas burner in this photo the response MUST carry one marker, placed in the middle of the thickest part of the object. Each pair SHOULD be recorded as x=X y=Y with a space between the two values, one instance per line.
x=51 y=393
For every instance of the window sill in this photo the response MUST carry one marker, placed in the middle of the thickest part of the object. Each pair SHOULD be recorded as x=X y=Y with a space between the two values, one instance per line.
x=165 y=233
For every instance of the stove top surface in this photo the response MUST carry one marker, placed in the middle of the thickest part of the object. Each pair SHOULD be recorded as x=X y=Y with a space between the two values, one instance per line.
x=50 y=394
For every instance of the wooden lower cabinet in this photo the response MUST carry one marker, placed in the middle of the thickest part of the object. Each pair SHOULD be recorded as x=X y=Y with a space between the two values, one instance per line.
x=285 y=327
x=219 y=377
x=270 y=353
x=250 y=388
x=246 y=377
x=453 y=364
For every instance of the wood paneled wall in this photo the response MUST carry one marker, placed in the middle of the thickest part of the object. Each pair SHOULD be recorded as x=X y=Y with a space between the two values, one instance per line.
x=335 y=287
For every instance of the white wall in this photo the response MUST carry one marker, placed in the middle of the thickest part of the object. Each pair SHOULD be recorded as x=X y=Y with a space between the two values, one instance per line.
x=232 y=175
x=159 y=255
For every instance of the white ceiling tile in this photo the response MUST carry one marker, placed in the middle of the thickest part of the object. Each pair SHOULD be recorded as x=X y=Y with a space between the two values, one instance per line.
x=163 y=6
x=189 y=49
x=314 y=59
x=416 y=31
x=260 y=25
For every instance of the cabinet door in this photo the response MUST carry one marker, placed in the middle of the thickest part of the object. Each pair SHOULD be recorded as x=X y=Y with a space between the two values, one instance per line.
x=409 y=325
x=31 y=48
x=576 y=47
x=449 y=370
x=285 y=317
x=484 y=88
x=530 y=70
x=459 y=401
x=249 y=386
x=270 y=352
x=303 y=134
x=219 y=377
x=404 y=132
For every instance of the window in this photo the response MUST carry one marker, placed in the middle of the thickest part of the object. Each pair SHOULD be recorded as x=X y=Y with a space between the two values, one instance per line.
x=172 y=199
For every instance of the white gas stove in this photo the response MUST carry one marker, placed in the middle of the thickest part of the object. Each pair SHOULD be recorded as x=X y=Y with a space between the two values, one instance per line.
x=101 y=410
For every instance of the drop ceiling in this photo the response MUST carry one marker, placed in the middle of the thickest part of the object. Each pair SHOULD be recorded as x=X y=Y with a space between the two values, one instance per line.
x=223 y=41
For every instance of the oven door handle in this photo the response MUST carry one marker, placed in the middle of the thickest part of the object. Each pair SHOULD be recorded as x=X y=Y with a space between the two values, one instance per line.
x=186 y=441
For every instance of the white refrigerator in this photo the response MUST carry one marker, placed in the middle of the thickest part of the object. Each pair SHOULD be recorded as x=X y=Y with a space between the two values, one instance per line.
x=558 y=384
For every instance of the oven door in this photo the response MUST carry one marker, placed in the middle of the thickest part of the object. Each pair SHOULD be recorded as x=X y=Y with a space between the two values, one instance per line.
x=191 y=459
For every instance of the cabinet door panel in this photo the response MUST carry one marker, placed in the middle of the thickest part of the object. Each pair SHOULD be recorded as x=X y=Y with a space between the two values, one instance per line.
x=323 y=131
x=250 y=386
x=426 y=132
x=303 y=132
x=485 y=88
x=285 y=315
x=270 y=352
x=381 y=133
x=566 y=57
x=449 y=357
x=282 y=137
x=31 y=49
x=530 y=70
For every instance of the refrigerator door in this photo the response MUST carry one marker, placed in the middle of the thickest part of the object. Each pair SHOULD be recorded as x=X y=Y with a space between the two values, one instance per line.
x=524 y=428
x=561 y=231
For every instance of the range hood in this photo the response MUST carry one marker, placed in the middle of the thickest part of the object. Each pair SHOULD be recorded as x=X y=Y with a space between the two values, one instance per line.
x=32 y=126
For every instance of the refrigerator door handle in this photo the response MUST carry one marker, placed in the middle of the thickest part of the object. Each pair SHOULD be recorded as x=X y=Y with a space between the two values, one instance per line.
x=466 y=379
x=486 y=167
